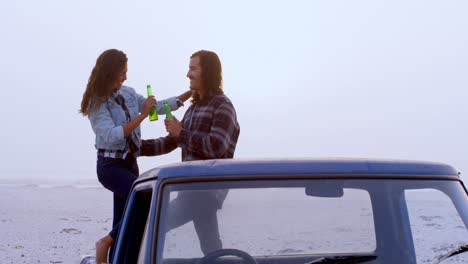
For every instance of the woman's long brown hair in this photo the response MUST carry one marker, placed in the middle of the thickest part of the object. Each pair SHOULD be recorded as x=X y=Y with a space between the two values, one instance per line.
x=109 y=65
x=212 y=76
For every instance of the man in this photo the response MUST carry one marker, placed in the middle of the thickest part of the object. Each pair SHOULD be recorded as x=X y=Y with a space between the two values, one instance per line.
x=208 y=130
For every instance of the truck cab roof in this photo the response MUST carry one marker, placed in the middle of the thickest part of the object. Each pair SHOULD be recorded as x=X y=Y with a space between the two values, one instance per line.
x=338 y=167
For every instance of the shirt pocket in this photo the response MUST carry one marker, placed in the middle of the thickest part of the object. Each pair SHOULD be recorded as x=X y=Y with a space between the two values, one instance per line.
x=132 y=105
x=117 y=113
x=113 y=105
x=130 y=102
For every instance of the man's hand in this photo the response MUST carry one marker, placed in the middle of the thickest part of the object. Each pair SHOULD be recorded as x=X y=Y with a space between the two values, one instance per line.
x=173 y=126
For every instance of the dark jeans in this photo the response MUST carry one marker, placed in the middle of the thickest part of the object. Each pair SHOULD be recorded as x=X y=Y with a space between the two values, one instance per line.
x=201 y=208
x=117 y=175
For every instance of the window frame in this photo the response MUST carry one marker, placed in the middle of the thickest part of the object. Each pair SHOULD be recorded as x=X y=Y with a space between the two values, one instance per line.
x=130 y=238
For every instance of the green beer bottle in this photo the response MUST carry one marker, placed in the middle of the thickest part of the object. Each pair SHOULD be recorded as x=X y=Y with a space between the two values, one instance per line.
x=153 y=114
x=167 y=109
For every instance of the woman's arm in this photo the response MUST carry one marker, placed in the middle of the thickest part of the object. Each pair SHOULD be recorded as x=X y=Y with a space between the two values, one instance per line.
x=185 y=96
x=174 y=102
x=135 y=122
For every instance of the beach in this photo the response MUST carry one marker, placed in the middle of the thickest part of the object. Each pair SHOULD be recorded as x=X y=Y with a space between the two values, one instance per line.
x=60 y=223
x=41 y=223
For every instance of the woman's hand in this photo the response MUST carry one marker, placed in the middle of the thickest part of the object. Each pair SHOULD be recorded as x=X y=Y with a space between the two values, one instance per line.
x=128 y=128
x=149 y=103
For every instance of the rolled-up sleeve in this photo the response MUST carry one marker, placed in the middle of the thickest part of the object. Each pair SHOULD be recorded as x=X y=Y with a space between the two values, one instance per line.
x=159 y=146
x=174 y=103
x=104 y=127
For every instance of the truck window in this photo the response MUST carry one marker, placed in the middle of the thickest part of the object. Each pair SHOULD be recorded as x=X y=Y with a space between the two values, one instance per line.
x=143 y=253
x=437 y=227
x=269 y=218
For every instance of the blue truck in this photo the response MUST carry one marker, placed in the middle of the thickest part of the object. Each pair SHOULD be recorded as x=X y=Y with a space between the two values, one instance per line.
x=295 y=211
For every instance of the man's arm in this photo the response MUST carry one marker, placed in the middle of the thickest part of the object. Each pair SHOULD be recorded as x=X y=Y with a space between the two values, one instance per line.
x=159 y=146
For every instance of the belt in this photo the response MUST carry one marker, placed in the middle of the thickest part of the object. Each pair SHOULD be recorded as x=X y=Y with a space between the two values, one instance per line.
x=102 y=151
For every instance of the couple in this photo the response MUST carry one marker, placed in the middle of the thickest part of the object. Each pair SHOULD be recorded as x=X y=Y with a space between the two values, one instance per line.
x=208 y=130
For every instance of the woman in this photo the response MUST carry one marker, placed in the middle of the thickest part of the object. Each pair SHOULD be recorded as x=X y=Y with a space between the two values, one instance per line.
x=116 y=112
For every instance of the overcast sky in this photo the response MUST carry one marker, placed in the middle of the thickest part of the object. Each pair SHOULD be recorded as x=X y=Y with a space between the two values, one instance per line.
x=363 y=79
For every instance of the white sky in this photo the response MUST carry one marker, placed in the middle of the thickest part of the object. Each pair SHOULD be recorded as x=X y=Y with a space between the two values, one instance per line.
x=366 y=79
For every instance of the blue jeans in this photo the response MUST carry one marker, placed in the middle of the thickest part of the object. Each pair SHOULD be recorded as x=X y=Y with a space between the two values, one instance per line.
x=117 y=175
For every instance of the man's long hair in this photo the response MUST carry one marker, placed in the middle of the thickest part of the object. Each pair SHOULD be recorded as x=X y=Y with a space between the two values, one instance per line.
x=109 y=65
x=212 y=76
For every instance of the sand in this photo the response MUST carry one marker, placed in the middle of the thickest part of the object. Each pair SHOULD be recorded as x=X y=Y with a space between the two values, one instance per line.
x=41 y=224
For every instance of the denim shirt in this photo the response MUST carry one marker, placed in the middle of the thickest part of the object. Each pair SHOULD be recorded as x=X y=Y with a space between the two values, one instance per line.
x=108 y=120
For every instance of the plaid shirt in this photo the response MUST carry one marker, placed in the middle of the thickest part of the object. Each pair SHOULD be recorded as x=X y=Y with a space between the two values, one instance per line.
x=209 y=131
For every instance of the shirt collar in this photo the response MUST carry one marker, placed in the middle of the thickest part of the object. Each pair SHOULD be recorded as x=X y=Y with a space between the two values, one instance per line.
x=116 y=93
